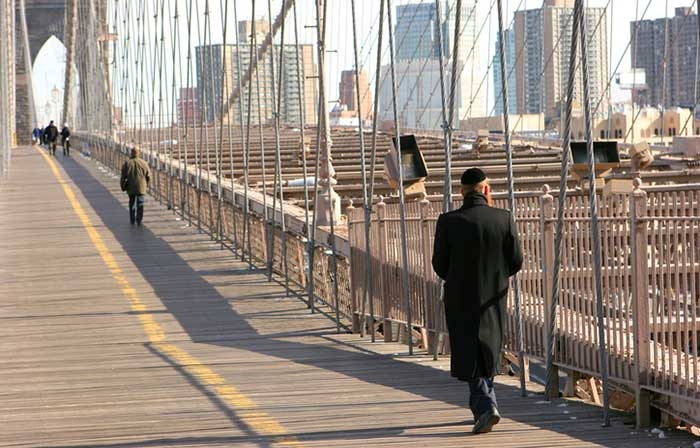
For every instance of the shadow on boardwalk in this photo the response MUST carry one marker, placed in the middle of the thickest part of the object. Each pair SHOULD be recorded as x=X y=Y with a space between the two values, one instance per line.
x=199 y=307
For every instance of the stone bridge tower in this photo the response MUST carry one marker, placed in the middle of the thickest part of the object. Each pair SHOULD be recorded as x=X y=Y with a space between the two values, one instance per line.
x=47 y=18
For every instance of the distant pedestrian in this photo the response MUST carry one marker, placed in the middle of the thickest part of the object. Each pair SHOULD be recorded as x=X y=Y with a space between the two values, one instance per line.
x=134 y=180
x=36 y=135
x=65 y=139
x=50 y=137
x=476 y=251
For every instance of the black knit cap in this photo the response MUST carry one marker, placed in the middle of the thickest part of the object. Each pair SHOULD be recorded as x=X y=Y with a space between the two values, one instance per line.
x=473 y=176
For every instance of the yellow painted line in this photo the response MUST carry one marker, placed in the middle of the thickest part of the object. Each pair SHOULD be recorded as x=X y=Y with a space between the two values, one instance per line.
x=253 y=417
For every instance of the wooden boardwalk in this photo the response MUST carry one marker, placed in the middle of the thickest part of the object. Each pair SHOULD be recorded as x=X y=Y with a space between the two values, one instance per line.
x=117 y=336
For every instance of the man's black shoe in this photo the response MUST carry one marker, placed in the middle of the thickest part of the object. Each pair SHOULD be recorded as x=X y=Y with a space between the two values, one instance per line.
x=486 y=422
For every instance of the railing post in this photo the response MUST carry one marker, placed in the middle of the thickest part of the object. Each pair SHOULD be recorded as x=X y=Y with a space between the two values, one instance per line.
x=547 y=229
x=386 y=302
x=640 y=300
x=263 y=239
x=356 y=318
x=428 y=287
x=301 y=261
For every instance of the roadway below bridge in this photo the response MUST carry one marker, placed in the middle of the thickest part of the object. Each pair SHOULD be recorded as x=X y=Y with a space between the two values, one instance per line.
x=121 y=336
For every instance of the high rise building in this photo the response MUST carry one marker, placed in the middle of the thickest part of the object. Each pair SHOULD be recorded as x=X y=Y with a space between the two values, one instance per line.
x=510 y=74
x=417 y=31
x=418 y=69
x=348 y=93
x=671 y=79
x=543 y=41
x=215 y=83
x=188 y=112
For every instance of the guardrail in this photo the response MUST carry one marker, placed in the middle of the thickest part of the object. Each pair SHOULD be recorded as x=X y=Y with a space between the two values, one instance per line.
x=650 y=245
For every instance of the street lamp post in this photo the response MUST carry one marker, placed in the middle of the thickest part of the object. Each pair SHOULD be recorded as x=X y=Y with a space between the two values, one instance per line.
x=55 y=94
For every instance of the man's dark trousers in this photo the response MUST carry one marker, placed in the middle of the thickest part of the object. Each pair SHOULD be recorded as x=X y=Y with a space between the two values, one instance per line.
x=482 y=396
x=136 y=202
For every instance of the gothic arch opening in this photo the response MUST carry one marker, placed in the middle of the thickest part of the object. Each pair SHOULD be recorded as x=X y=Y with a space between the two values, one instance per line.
x=48 y=72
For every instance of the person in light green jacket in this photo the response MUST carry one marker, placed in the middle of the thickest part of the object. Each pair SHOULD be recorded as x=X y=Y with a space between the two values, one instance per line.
x=134 y=181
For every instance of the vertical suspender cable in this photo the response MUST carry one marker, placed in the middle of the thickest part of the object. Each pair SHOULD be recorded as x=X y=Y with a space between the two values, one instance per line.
x=552 y=380
x=266 y=213
x=451 y=112
x=170 y=117
x=447 y=136
x=212 y=92
x=511 y=194
x=402 y=210
x=277 y=182
x=169 y=120
x=217 y=148
x=329 y=169
x=595 y=235
x=320 y=122
x=610 y=53
x=246 y=154
x=302 y=146
x=279 y=156
x=161 y=61
x=219 y=167
x=191 y=115
x=153 y=136
x=369 y=289
x=245 y=140
x=201 y=93
x=226 y=91
x=664 y=65
x=142 y=75
x=366 y=200
x=446 y=127
x=273 y=103
x=177 y=69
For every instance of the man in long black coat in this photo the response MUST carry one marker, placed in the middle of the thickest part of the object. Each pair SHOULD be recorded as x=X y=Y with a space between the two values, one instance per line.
x=476 y=251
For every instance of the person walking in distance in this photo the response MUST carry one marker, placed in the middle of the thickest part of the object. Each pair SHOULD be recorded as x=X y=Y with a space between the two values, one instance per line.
x=65 y=139
x=36 y=135
x=50 y=137
x=134 y=180
x=476 y=250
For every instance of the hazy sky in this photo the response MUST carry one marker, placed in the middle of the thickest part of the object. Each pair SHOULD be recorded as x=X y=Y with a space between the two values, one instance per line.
x=48 y=70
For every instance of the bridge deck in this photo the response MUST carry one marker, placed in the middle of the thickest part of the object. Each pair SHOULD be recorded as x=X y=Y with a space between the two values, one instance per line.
x=119 y=336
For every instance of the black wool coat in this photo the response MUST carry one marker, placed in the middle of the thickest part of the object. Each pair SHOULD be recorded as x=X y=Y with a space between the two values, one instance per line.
x=476 y=250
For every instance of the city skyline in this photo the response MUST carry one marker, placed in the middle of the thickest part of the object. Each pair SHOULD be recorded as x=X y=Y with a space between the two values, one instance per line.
x=341 y=58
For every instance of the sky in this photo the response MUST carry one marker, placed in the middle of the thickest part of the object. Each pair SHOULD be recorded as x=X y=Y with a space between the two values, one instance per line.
x=48 y=69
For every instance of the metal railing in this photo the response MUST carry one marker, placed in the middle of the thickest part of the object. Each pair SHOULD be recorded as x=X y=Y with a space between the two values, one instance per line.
x=650 y=245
